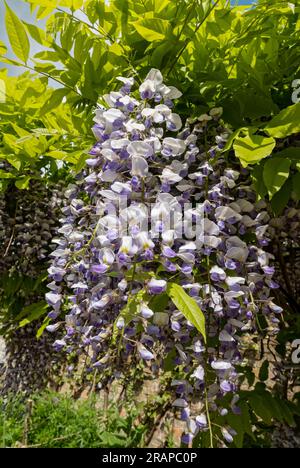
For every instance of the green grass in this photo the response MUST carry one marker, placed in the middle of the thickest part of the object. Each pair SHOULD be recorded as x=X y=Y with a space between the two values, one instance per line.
x=58 y=421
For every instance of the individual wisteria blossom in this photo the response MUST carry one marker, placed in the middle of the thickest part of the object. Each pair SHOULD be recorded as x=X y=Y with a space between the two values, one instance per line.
x=159 y=203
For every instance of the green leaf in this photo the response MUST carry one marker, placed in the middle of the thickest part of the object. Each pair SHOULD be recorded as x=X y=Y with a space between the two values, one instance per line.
x=296 y=185
x=258 y=181
x=14 y=161
x=80 y=163
x=275 y=408
x=32 y=312
x=276 y=173
x=169 y=363
x=43 y=327
x=286 y=412
x=6 y=175
x=21 y=132
x=264 y=371
x=4 y=183
x=281 y=198
x=62 y=156
x=3 y=48
x=37 y=33
x=43 y=12
x=159 y=303
x=292 y=153
x=45 y=3
x=17 y=35
x=163 y=52
x=23 y=182
x=10 y=141
x=245 y=416
x=11 y=62
x=261 y=410
x=130 y=311
x=187 y=306
x=286 y=123
x=253 y=148
x=231 y=139
x=151 y=29
x=54 y=100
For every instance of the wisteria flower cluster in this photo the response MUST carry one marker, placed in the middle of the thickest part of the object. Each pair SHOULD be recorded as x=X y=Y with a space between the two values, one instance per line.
x=28 y=222
x=159 y=203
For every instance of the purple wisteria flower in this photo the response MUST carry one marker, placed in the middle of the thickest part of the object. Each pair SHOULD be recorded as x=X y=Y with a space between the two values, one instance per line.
x=158 y=202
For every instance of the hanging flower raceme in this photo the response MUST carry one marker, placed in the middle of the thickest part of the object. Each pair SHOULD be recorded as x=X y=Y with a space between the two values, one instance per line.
x=159 y=228
x=28 y=222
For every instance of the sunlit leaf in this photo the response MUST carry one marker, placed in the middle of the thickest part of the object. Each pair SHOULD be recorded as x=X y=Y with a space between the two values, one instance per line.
x=17 y=35
x=23 y=182
x=37 y=34
x=152 y=29
x=54 y=100
x=286 y=123
x=253 y=148
x=188 y=307
x=276 y=173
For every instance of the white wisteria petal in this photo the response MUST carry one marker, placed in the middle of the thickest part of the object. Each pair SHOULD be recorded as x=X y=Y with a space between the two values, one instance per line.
x=210 y=228
x=120 y=143
x=140 y=148
x=218 y=272
x=168 y=175
x=154 y=142
x=175 y=122
x=187 y=257
x=232 y=295
x=168 y=237
x=127 y=246
x=173 y=93
x=225 y=336
x=132 y=125
x=188 y=246
x=225 y=213
x=140 y=166
x=121 y=187
x=234 y=280
x=212 y=241
x=144 y=241
x=163 y=109
x=184 y=186
x=248 y=222
x=147 y=89
x=155 y=76
x=239 y=254
x=109 y=194
x=127 y=81
x=199 y=373
x=221 y=365
x=180 y=403
x=245 y=205
x=108 y=175
x=176 y=146
x=109 y=154
x=112 y=115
